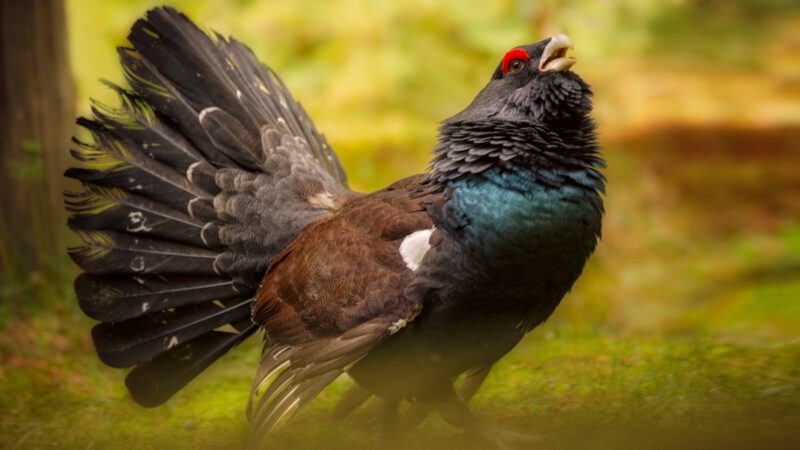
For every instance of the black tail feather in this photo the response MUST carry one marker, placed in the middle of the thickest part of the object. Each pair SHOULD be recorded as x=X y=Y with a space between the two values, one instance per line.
x=231 y=137
x=203 y=175
x=140 y=340
x=99 y=208
x=128 y=169
x=115 y=252
x=154 y=383
x=117 y=298
x=194 y=64
x=164 y=97
x=140 y=124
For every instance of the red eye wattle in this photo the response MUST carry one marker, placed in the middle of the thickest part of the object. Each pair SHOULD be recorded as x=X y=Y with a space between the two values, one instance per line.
x=511 y=55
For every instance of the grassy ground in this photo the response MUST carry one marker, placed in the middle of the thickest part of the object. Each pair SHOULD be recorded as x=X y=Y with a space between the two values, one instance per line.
x=684 y=332
x=588 y=389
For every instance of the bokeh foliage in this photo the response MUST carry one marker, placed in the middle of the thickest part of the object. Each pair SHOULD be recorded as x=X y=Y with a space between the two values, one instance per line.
x=684 y=330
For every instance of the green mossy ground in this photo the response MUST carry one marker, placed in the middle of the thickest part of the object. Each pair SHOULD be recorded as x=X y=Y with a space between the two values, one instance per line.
x=587 y=389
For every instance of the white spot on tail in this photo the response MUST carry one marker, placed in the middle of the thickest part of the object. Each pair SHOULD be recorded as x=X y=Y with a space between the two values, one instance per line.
x=137 y=264
x=204 y=231
x=172 y=342
x=414 y=247
x=190 y=170
x=204 y=112
x=322 y=200
x=138 y=222
x=238 y=94
x=190 y=208
x=145 y=306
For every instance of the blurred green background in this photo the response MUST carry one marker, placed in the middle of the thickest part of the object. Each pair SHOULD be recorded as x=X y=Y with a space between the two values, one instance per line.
x=684 y=330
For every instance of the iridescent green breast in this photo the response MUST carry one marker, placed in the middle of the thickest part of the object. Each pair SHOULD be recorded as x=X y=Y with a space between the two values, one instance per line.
x=518 y=224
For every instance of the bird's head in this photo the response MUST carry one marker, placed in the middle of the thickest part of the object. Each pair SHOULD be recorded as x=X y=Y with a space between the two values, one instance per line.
x=532 y=84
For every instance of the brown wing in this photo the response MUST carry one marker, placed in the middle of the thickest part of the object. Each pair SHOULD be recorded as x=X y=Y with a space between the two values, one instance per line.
x=331 y=295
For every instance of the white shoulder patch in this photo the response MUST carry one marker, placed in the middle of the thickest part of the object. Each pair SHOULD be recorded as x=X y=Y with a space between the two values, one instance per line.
x=414 y=247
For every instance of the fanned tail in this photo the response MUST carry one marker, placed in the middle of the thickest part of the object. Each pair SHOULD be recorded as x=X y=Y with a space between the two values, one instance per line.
x=189 y=188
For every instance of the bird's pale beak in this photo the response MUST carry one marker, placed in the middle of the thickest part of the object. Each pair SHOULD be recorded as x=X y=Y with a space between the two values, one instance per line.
x=554 y=57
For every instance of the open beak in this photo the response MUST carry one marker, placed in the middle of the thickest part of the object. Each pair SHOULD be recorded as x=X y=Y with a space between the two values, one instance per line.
x=554 y=57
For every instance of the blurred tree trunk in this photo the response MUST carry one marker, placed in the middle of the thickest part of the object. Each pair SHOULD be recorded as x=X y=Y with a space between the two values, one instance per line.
x=37 y=107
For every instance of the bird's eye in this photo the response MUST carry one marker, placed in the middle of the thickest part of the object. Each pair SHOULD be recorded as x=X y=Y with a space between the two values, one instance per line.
x=513 y=61
x=516 y=66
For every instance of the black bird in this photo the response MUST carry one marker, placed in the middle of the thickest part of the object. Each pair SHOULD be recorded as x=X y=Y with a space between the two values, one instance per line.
x=211 y=207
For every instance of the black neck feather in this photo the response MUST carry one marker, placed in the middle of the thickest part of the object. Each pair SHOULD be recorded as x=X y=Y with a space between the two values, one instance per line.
x=472 y=147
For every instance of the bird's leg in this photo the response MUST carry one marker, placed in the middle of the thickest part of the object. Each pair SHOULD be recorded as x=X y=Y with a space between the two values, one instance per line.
x=469 y=387
x=414 y=416
x=350 y=401
x=473 y=381
x=389 y=421
x=456 y=412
